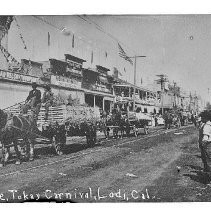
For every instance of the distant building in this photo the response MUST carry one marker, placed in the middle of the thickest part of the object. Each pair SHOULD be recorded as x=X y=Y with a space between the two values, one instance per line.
x=146 y=100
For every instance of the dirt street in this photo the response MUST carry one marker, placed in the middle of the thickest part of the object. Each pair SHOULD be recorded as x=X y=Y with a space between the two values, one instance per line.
x=164 y=166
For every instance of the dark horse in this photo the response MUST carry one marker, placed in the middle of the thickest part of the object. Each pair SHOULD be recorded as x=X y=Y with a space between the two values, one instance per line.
x=172 y=119
x=13 y=128
x=120 y=123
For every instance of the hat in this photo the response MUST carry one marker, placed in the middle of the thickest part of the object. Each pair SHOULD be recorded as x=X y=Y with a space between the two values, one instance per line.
x=34 y=84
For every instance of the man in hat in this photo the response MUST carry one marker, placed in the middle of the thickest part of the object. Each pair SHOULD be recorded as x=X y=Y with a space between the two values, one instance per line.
x=33 y=102
x=205 y=139
x=47 y=99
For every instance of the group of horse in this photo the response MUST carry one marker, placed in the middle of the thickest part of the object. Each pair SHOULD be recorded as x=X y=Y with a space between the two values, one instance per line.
x=21 y=131
x=120 y=124
x=175 y=119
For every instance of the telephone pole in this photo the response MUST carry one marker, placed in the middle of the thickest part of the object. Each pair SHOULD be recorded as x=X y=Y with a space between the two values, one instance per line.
x=134 y=80
x=162 y=79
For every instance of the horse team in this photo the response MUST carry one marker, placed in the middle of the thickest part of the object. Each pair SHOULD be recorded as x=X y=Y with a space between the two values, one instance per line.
x=13 y=128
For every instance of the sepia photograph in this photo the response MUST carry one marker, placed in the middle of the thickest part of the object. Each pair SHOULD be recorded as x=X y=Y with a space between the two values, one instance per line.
x=105 y=108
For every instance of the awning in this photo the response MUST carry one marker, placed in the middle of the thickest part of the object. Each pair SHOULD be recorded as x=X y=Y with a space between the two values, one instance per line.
x=97 y=93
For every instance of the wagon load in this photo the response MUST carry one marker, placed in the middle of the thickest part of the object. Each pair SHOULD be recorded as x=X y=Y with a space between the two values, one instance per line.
x=143 y=119
x=132 y=116
x=142 y=116
x=81 y=114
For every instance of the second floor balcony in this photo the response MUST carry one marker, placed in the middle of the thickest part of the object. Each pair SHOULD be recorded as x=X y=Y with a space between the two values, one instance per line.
x=96 y=87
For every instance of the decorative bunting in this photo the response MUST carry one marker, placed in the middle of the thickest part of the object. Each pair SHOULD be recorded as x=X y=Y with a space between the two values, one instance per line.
x=9 y=58
x=21 y=36
x=5 y=22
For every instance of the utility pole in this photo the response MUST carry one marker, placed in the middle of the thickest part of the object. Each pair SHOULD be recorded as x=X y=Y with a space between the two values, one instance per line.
x=134 y=96
x=134 y=81
x=174 y=94
x=162 y=79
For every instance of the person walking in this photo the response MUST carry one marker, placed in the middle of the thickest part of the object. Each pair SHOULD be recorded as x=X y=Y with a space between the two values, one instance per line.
x=205 y=139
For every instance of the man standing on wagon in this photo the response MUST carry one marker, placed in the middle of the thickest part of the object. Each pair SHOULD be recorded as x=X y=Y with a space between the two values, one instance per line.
x=33 y=102
x=47 y=99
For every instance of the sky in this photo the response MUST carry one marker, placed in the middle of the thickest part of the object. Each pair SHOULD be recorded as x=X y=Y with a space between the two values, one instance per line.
x=176 y=45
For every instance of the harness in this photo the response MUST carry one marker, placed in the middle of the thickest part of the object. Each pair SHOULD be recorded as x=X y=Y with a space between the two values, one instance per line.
x=22 y=127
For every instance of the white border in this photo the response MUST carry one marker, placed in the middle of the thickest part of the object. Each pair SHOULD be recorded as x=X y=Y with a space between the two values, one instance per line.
x=68 y=7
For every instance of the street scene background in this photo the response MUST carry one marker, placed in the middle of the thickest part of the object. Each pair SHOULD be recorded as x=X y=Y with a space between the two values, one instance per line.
x=152 y=70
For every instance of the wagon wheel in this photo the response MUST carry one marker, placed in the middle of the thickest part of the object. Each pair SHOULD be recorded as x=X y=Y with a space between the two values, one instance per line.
x=24 y=148
x=58 y=145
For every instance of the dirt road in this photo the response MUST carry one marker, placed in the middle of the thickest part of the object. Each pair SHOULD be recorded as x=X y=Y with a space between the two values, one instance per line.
x=142 y=169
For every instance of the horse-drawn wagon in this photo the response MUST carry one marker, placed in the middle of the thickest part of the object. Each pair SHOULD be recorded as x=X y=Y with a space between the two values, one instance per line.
x=123 y=121
x=23 y=132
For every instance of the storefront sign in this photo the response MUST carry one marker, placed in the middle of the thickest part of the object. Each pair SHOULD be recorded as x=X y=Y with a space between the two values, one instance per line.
x=18 y=77
x=101 y=88
x=65 y=82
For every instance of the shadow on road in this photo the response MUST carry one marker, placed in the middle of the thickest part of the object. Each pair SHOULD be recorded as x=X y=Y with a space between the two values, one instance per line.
x=198 y=156
x=198 y=168
x=199 y=176
x=47 y=151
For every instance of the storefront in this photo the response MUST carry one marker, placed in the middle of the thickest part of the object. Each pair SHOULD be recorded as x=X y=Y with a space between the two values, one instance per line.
x=101 y=100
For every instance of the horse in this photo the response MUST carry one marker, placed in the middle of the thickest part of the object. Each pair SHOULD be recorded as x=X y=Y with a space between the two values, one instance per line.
x=13 y=128
x=120 y=122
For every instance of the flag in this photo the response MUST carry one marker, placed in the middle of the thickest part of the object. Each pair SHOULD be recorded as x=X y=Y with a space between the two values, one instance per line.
x=92 y=57
x=124 y=69
x=123 y=54
x=141 y=81
x=119 y=73
x=49 y=41
x=73 y=41
x=106 y=54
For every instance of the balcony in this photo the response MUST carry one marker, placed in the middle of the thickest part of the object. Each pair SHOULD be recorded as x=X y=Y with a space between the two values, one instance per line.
x=74 y=71
x=96 y=87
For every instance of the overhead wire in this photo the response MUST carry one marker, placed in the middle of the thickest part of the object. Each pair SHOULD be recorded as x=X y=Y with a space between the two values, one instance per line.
x=90 y=22
x=100 y=28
